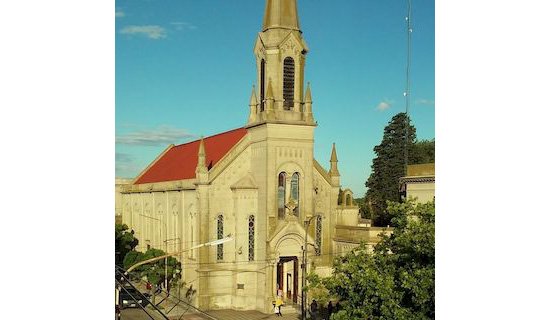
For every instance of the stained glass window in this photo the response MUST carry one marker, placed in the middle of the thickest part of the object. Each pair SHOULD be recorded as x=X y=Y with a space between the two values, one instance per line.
x=251 y=238
x=219 y=255
x=281 y=195
x=295 y=191
x=318 y=235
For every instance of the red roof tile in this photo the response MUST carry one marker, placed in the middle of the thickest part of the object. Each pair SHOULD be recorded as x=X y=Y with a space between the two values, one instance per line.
x=180 y=162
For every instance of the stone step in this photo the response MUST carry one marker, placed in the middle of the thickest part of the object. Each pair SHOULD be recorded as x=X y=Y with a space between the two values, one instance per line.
x=289 y=309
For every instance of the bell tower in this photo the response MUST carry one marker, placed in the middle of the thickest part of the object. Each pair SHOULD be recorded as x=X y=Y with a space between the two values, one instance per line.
x=280 y=54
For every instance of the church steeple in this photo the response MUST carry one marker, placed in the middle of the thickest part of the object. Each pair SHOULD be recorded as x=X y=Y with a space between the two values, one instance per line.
x=281 y=14
x=280 y=52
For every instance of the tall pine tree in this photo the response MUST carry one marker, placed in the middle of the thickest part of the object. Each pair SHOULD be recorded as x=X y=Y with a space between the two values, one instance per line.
x=388 y=166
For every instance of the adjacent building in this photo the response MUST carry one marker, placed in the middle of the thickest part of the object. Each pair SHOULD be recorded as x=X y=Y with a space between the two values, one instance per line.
x=419 y=183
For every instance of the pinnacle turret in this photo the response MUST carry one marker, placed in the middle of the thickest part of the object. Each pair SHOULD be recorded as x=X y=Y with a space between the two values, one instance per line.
x=253 y=98
x=202 y=170
x=334 y=162
x=308 y=94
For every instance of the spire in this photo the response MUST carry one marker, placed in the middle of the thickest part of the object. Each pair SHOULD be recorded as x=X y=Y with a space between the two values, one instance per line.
x=201 y=163
x=253 y=99
x=333 y=157
x=334 y=162
x=308 y=94
x=253 y=106
x=281 y=14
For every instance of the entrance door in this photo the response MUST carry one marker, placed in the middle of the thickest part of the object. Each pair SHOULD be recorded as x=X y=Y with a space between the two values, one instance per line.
x=288 y=266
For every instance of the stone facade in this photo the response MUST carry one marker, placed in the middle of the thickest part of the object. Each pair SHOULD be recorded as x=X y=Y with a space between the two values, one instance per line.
x=262 y=189
x=419 y=183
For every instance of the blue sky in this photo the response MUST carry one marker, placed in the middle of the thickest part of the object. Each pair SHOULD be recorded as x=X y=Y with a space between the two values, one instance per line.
x=185 y=68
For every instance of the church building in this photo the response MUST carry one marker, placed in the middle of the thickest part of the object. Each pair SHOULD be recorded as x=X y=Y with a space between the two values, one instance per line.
x=259 y=183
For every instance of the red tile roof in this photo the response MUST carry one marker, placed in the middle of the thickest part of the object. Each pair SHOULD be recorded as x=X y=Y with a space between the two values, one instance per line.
x=180 y=162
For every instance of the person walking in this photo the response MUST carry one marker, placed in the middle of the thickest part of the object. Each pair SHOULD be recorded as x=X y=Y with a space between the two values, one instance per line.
x=314 y=309
x=278 y=304
x=329 y=309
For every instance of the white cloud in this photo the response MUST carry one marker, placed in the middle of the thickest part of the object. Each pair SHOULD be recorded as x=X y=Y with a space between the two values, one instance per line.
x=119 y=13
x=161 y=136
x=151 y=32
x=183 y=26
x=425 y=102
x=383 y=105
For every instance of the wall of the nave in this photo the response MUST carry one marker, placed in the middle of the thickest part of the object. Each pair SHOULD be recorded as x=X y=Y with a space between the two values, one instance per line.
x=222 y=202
x=232 y=195
x=324 y=204
x=177 y=222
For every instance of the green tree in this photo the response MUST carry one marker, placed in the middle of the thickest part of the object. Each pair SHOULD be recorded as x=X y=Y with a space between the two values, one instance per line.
x=422 y=151
x=388 y=166
x=124 y=242
x=397 y=280
x=154 y=272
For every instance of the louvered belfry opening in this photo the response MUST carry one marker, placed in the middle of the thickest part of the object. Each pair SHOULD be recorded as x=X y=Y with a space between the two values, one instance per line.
x=288 y=83
x=262 y=85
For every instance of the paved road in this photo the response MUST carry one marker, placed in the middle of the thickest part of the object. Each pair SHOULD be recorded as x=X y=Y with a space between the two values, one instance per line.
x=138 y=314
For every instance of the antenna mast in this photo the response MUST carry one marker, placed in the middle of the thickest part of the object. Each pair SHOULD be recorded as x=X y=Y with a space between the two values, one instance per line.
x=407 y=92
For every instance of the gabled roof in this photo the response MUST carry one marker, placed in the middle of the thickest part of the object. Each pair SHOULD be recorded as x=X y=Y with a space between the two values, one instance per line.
x=247 y=182
x=180 y=162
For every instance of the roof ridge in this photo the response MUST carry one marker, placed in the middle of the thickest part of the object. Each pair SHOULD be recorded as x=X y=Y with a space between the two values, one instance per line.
x=214 y=135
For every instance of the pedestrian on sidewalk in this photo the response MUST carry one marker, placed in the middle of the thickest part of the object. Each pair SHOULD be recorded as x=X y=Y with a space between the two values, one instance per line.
x=278 y=304
x=314 y=309
x=329 y=309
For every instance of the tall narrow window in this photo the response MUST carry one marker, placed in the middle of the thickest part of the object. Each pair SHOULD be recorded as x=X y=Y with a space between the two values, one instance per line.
x=219 y=252
x=348 y=199
x=262 y=84
x=295 y=191
x=318 y=235
x=281 y=195
x=251 y=238
x=288 y=83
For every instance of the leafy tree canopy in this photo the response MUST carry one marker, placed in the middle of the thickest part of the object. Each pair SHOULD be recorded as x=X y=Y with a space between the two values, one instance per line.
x=124 y=242
x=397 y=280
x=422 y=151
x=388 y=166
x=154 y=272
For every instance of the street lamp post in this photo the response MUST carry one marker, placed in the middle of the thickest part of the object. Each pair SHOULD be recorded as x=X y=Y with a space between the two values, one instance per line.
x=165 y=248
x=304 y=282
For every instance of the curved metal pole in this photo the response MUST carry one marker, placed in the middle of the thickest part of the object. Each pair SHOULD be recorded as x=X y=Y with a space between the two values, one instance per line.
x=211 y=243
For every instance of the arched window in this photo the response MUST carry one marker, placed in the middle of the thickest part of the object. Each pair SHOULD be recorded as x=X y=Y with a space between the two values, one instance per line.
x=251 y=238
x=295 y=191
x=288 y=83
x=262 y=84
x=281 y=190
x=219 y=252
x=348 y=199
x=318 y=234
